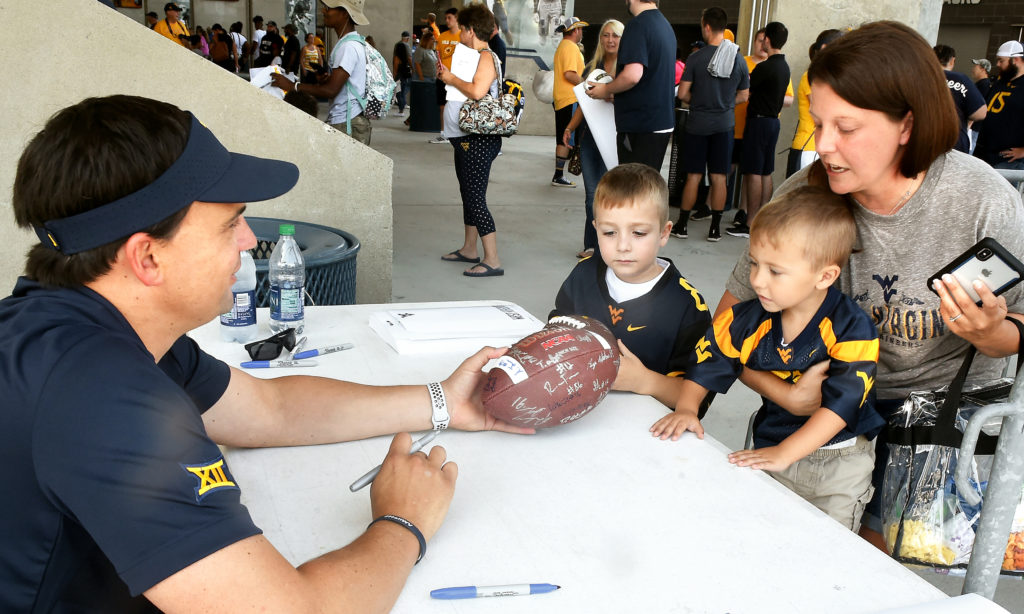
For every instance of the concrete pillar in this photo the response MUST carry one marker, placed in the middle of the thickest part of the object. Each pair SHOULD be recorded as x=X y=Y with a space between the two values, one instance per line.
x=805 y=21
x=342 y=183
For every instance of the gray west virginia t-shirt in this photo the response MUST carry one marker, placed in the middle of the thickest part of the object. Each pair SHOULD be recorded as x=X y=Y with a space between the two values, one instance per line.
x=961 y=201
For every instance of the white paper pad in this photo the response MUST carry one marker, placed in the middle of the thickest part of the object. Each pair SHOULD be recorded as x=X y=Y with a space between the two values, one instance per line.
x=453 y=329
x=464 y=63
x=600 y=115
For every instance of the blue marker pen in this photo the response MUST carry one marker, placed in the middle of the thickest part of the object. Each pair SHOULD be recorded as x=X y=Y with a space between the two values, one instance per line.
x=277 y=364
x=508 y=590
x=324 y=350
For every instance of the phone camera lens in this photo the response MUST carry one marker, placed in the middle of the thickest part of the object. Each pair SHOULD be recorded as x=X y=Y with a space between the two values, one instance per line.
x=984 y=254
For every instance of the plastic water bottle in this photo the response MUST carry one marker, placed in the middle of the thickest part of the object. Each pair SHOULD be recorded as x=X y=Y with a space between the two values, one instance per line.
x=287 y=283
x=239 y=324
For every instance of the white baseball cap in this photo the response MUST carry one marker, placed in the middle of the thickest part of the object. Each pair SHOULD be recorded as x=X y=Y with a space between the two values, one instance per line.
x=1010 y=49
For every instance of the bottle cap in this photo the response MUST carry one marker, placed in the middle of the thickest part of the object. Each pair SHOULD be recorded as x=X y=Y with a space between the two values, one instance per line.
x=286 y=229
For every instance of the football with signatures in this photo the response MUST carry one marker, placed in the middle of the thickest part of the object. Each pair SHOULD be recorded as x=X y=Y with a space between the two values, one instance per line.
x=554 y=376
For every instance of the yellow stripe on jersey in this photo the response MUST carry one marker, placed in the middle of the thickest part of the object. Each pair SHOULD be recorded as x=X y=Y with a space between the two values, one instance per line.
x=847 y=351
x=697 y=300
x=722 y=335
x=750 y=343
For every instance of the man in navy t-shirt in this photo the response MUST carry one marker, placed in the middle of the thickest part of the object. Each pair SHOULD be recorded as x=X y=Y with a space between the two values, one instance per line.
x=112 y=416
x=643 y=86
x=970 y=104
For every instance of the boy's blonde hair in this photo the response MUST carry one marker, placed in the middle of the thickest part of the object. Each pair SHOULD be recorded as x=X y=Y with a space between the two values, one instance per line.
x=633 y=183
x=820 y=219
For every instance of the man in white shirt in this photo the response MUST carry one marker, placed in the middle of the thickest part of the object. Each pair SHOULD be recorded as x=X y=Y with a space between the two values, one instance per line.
x=346 y=84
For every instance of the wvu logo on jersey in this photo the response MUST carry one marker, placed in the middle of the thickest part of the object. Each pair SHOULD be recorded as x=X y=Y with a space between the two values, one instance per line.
x=616 y=314
x=212 y=476
x=702 y=349
x=868 y=383
x=786 y=354
x=887 y=285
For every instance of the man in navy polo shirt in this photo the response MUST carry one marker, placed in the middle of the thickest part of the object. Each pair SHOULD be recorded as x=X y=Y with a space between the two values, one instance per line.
x=643 y=86
x=112 y=416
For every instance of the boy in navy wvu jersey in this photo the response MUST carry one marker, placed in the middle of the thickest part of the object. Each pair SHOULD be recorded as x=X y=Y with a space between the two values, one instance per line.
x=652 y=310
x=798 y=244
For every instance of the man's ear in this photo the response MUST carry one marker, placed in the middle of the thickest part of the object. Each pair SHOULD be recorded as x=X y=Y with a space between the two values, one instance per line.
x=141 y=253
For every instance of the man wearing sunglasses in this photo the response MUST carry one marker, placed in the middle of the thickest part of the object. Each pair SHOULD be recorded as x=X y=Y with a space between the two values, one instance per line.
x=112 y=416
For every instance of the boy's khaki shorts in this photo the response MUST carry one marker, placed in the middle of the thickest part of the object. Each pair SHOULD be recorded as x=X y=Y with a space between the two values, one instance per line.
x=837 y=482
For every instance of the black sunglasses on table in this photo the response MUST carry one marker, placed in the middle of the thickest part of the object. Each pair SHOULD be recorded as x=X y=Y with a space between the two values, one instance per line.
x=270 y=348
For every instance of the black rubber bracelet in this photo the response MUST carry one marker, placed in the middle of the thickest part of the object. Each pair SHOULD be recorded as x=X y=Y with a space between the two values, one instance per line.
x=408 y=525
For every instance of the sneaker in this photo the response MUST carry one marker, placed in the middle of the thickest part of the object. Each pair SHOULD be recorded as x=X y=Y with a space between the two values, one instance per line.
x=714 y=235
x=438 y=140
x=741 y=218
x=701 y=213
x=562 y=182
x=739 y=230
x=679 y=231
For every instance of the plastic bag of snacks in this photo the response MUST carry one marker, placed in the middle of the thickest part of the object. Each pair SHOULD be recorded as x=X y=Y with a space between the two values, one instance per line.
x=925 y=518
x=1013 y=560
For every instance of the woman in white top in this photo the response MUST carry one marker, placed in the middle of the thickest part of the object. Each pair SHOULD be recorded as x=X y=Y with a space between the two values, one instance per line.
x=474 y=153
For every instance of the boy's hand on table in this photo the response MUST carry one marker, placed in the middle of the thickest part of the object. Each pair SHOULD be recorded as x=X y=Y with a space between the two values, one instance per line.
x=767 y=459
x=677 y=423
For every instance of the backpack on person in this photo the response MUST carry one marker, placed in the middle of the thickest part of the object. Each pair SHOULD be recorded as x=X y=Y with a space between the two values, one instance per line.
x=380 y=85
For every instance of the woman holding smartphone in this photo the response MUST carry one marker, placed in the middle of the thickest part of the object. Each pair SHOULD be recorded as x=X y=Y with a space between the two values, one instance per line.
x=886 y=143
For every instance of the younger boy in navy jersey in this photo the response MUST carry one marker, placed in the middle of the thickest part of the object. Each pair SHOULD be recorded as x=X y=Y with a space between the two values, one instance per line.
x=652 y=310
x=798 y=244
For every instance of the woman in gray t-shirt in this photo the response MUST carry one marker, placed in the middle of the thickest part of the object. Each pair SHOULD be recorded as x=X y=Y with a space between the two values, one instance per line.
x=885 y=141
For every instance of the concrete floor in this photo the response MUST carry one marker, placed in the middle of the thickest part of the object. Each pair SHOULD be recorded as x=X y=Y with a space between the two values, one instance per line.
x=540 y=229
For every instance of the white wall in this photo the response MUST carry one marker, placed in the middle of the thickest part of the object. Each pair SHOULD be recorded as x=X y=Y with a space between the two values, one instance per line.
x=342 y=184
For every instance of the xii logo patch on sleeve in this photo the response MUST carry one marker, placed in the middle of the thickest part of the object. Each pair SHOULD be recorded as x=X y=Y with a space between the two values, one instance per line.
x=212 y=476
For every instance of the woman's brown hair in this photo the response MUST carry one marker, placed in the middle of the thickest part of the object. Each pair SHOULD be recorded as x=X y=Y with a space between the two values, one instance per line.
x=886 y=66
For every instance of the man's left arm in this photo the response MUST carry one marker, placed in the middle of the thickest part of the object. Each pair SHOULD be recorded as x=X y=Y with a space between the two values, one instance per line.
x=304 y=410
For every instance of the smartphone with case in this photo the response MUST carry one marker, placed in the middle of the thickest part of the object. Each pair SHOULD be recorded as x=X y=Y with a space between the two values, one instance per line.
x=988 y=261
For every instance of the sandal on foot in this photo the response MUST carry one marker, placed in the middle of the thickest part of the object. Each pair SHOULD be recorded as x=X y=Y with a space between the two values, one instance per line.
x=457 y=256
x=488 y=271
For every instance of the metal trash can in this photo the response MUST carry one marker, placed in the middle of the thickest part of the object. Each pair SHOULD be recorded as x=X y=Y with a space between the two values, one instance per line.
x=330 y=256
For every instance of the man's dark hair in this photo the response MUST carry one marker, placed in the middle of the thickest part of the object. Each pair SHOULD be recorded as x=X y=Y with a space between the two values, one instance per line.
x=152 y=14
x=452 y=11
x=777 y=34
x=715 y=18
x=236 y=27
x=945 y=53
x=257 y=19
x=477 y=18
x=86 y=156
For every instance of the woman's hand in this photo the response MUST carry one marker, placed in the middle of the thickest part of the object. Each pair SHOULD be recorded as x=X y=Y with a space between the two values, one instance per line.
x=566 y=137
x=980 y=326
x=443 y=73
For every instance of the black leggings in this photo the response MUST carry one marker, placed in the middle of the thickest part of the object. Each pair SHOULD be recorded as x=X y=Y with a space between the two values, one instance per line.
x=473 y=157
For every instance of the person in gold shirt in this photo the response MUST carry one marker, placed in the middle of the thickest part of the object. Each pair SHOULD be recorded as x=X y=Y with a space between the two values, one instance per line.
x=568 y=69
x=446 y=44
x=172 y=27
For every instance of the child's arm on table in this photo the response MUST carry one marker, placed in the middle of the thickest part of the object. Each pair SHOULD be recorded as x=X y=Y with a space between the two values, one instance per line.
x=684 y=418
x=635 y=377
x=816 y=432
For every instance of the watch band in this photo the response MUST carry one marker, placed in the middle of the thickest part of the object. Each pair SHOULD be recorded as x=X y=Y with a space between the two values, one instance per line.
x=439 y=406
